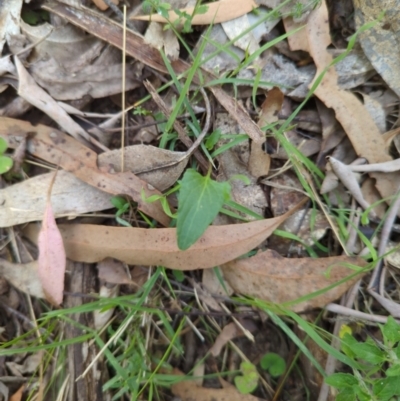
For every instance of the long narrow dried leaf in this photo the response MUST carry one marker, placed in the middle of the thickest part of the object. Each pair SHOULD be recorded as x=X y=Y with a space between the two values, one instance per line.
x=56 y=147
x=52 y=260
x=219 y=11
x=350 y=112
x=273 y=278
x=219 y=244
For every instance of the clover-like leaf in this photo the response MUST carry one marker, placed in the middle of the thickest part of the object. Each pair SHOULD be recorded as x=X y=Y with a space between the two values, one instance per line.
x=248 y=382
x=273 y=363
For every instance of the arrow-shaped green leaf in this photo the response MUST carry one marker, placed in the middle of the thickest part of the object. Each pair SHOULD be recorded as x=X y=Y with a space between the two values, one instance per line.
x=200 y=200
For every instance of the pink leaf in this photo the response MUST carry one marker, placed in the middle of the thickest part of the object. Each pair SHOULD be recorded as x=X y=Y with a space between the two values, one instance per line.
x=52 y=259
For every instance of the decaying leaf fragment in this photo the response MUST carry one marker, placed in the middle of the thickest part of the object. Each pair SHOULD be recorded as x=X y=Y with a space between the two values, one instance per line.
x=273 y=278
x=149 y=247
x=56 y=147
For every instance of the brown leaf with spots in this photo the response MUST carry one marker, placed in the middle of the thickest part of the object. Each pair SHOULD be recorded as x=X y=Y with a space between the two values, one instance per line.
x=138 y=246
x=273 y=278
x=58 y=148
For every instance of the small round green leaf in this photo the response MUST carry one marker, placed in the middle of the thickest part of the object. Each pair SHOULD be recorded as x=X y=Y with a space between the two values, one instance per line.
x=5 y=164
x=249 y=381
x=273 y=363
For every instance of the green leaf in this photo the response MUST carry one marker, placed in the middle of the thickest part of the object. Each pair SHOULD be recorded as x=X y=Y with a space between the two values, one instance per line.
x=394 y=370
x=361 y=395
x=273 y=363
x=123 y=222
x=348 y=343
x=119 y=202
x=248 y=382
x=213 y=139
x=369 y=353
x=5 y=164
x=341 y=380
x=3 y=145
x=179 y=275
x=200 y=200
x=386 y=388
x=201 y=9
x=347 y=394
x=391 y=330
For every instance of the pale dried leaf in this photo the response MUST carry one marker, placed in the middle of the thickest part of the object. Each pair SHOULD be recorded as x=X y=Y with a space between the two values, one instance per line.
x=6 y=66
x=309 y=227
x=68 y=45
x=93 y=80
x=56 y=147
x=376 y=111
x=10 y=12
x=148 y=163
x=113 y=272
x=161 y=39
x=391 y=306
x=101 y=318
x=24 y=202
x=299 y=41
x=31 y=363
x=276 y=279
x=380 y=39
x=372 y=197
x=32 y=93
x=349 y=180
x=359 y=127
x=228 y=333
x=392 y=253
x=219 y=11
x=211 y=282
x=23 y=276
x=235 y=27
x=219 y=244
